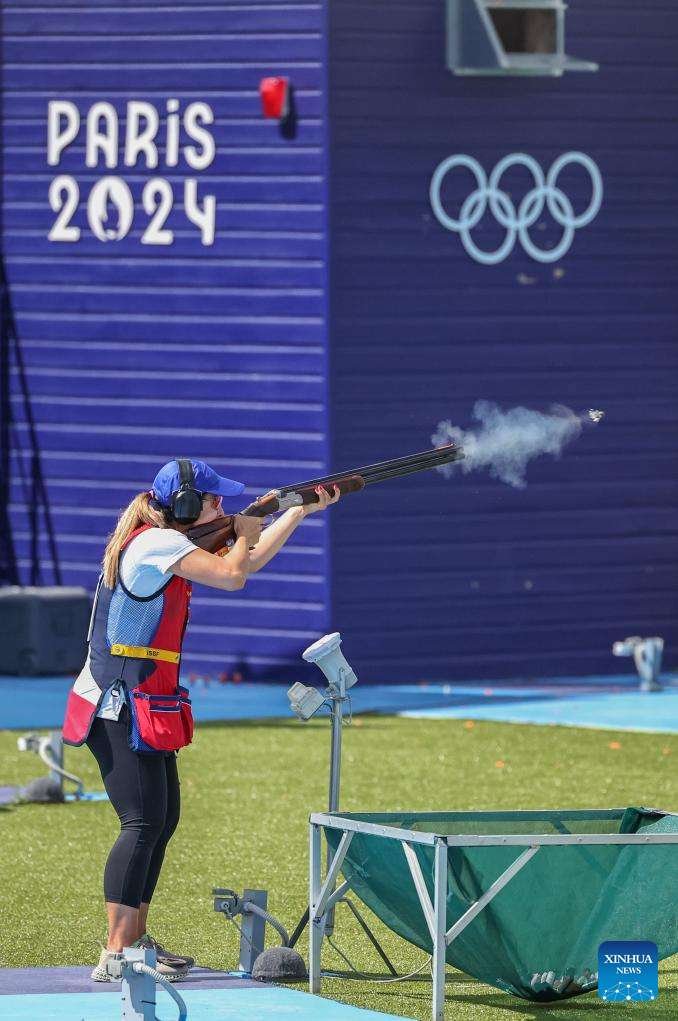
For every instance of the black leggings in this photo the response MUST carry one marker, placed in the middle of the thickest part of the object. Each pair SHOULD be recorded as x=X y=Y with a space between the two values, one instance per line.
x=144 y=791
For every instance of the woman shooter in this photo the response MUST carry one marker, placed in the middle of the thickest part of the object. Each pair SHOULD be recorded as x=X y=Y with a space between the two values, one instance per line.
x=127 y=704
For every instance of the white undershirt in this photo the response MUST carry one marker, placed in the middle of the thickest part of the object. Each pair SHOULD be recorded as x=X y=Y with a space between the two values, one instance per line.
x=143 y=569
x=148 y=558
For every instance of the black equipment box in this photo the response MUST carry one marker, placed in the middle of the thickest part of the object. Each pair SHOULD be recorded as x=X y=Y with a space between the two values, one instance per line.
x=43 y=630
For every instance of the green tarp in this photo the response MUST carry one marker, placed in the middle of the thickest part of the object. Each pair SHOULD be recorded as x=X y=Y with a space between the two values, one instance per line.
x=539 y=937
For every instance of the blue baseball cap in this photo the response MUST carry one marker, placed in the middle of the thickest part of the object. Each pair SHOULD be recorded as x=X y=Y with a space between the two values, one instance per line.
x=207 y=480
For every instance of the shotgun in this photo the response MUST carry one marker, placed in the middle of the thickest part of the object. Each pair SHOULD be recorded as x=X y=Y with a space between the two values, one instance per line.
x=219 y=535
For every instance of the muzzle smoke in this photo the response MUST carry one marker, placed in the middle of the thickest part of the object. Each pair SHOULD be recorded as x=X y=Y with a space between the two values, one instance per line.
x=506 y=441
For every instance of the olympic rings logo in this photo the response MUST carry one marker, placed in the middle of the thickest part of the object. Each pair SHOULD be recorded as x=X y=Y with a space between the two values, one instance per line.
x=516 y=223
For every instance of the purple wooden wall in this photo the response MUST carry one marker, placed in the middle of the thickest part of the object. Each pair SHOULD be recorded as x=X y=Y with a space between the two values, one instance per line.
x=469 y=578
x=138 y=352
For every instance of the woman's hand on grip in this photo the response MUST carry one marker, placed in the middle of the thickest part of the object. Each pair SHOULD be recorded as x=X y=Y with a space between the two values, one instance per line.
x=247 y=527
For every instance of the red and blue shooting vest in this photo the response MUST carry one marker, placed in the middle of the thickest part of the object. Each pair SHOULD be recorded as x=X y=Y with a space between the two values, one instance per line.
x=135 y=643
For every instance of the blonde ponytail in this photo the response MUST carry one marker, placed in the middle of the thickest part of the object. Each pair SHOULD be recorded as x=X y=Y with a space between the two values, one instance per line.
x=138 y=513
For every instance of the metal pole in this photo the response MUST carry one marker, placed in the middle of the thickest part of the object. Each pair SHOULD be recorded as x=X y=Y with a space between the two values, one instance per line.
x=253 y=930
x=335 y=778
x=56 y=751
x=335 y=759
x=315 y=935
x=138 y=990
x=440 y=925
x=370 y=935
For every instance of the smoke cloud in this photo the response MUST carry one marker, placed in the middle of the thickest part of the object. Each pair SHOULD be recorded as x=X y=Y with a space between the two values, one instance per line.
x=506 y=441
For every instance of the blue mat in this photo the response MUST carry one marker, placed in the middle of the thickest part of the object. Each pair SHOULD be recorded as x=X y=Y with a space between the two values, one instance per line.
x=621 y=710
x=269 y=1003
x=605 y=702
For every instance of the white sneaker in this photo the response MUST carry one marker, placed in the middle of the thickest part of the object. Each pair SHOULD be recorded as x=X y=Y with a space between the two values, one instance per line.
x=100 y=973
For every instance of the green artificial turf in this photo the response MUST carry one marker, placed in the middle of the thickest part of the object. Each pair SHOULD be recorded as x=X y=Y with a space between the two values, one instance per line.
x=247 y=792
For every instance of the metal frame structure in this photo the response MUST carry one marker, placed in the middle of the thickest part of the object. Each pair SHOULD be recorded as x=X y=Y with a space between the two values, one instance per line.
x=475 y=47
x=323 y=894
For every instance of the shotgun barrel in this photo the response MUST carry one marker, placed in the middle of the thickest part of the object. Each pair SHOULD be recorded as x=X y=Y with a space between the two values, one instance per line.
x=448 y=452
x=218 y=536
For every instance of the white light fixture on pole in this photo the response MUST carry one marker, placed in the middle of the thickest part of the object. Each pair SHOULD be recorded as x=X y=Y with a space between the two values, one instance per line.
x=305 y=702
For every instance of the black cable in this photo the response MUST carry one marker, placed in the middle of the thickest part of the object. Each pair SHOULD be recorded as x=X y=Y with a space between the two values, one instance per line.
x=40 y=496
x=9 y=573
x=8 y=566
x=9 y=343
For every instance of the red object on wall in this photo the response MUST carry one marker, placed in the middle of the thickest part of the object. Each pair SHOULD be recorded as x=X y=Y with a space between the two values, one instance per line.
x=275 y=97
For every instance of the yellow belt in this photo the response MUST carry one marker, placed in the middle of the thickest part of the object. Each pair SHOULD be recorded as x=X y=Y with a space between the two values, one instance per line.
x=145 y=652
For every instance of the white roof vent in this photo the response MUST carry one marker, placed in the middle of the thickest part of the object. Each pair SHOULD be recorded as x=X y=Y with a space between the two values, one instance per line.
x=516 y=37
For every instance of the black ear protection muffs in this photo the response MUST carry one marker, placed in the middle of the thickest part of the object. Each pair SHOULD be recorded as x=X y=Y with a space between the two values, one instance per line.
x=186 y=503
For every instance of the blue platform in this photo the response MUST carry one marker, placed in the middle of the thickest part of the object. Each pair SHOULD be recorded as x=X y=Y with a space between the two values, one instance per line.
x=69 y=994
x=270 y=1003
x=615 y=709
x=612 y=702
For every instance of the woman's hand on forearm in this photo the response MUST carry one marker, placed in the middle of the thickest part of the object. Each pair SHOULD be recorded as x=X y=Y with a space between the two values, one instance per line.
x=274 y=538
x=229 y=572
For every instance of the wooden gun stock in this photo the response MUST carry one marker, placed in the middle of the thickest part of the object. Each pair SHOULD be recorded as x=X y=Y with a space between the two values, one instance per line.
x=215 y=536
